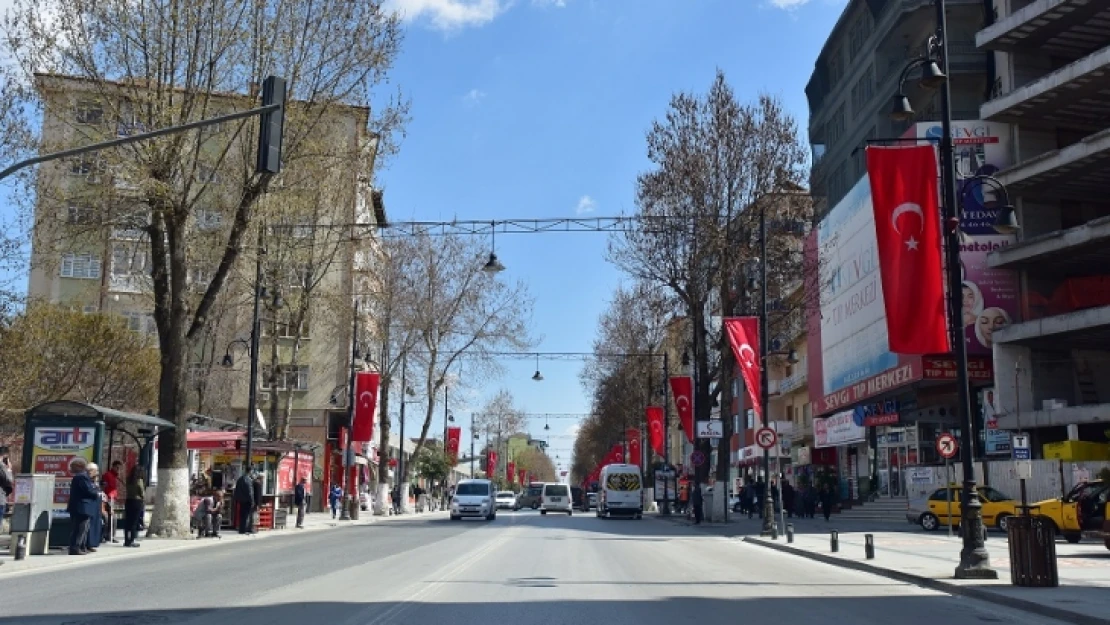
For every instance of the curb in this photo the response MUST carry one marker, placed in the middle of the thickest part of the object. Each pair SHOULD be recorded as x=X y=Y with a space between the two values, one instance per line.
x=934 y=584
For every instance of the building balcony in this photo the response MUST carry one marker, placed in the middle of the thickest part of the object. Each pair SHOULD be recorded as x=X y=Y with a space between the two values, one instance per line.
x=1074 y=96
x=1072 y=252
x=1080 y=171
x=1069 y=29
x=1086 y=329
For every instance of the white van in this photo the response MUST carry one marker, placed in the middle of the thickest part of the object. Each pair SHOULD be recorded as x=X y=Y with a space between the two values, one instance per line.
x=621 y=491
x=473 y=498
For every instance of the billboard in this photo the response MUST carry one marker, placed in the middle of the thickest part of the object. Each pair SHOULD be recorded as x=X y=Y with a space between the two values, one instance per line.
x=848 y=357
x=54 y=446
x=990 y=296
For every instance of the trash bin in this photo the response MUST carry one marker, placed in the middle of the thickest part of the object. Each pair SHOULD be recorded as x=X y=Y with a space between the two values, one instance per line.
x=1032 y=552
x=33 y=512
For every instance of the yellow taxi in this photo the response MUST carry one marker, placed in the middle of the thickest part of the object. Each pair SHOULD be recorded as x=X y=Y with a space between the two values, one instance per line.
x=937 y=512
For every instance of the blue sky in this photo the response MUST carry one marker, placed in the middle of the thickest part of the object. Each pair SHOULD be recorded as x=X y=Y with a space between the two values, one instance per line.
x=538 y=109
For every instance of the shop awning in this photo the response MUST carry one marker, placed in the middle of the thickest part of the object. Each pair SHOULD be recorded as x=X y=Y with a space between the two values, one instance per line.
x=214 y=440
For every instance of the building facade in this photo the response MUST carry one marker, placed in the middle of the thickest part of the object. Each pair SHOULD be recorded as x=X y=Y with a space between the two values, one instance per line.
x=1051 y=363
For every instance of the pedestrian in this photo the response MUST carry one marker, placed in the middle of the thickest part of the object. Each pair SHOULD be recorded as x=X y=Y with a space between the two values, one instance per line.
x=776 y=497
x=134 y=507
x=826 y=501
x=244 y=502
x=788 y=502
x=83 y=505
x=696 y=502
x=96 y=523
x=300 y=499
x=760 y=493
x=7 y=485
x=256 y=485
x=333 y=499
x=110 y=485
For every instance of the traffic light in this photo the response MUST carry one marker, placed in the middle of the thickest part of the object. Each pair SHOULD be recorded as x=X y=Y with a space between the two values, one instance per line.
x=270 y=126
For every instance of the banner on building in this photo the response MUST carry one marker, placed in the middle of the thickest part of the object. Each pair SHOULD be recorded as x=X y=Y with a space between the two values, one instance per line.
x=366 y=402
x=683 y=388
x=839 y=429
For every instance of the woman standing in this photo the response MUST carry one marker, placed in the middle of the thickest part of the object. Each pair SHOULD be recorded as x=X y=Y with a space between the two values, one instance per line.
x=96 y=523
x=134 y=506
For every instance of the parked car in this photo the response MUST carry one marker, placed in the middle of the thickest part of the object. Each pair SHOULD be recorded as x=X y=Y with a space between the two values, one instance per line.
x=473 y=498
x=556 y=498
x=1085 y=511
x=591 y=501
x=932 y=512
x=578 y=498
x=505 y=500
x=530 y=497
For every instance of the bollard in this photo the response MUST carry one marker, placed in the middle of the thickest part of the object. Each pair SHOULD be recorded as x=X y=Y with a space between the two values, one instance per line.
x=834 y=541
x=21 y=547
x=869 y=546
x=774 y=530
x=789 y=532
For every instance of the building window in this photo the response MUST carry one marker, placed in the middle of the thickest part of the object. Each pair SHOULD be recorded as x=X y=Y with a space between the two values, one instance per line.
x=140 y=322
x=288 y=378
x=208 y=174
x=89 y=112
x=127 y=260
x=81 y=266
x=80 y=214
x=287 y=330
x=89 y=309
x=90 y=168
x=209 y=219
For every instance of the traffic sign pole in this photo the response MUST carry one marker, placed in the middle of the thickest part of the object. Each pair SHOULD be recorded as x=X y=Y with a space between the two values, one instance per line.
x=1022 y=454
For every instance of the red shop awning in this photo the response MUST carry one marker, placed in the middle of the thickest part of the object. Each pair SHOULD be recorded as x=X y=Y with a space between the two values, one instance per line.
x=214 y=440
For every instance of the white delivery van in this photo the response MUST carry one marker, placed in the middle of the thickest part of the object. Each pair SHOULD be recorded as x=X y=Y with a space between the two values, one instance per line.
x=620 y=492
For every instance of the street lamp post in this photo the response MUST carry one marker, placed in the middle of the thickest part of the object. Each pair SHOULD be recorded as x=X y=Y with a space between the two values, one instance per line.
x=666 y=435
x=473 y=437
x=768 y=526
x=348 y=453
x=401 y=453
x=974 y=559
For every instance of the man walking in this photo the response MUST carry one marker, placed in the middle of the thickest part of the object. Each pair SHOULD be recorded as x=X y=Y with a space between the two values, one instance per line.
x=697 y=501
x=299 y=501
x=244 y=503
x=7 y=485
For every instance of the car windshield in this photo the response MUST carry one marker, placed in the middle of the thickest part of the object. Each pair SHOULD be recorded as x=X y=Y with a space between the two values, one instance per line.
x=556 y=491
x=505 y=494
x=473 y=489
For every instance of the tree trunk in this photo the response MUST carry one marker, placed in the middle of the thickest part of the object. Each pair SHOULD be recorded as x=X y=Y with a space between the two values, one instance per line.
x=381 y=497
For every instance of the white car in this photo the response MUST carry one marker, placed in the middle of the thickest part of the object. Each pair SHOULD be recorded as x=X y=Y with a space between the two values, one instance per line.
x=506 y=499
x=473 y=498
x=556 y=498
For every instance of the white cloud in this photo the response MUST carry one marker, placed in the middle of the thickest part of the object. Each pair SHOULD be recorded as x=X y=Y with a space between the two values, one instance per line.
x=559 y=4
x=450 y=14
x=474 y=97
x=788 y=4
x=586 y=204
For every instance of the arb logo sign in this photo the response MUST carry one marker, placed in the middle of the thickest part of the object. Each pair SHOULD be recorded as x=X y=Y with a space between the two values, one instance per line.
x=64 y=438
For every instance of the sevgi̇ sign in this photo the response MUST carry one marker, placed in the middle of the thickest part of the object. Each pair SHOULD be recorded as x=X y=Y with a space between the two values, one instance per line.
x=714 y=428
x=839 y=429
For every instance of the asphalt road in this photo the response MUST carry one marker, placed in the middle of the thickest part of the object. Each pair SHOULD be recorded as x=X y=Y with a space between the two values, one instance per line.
x=522 y=568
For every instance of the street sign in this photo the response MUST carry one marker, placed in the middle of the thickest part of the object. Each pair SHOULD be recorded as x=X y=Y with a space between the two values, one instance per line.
x=714 y=428
x=1023 y=469
x=765 y=438
x=698 y=458
x=1019 y=447
x=947 y=446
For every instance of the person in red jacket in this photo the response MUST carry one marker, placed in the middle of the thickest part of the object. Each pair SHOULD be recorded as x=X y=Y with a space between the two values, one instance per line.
x=110 y=487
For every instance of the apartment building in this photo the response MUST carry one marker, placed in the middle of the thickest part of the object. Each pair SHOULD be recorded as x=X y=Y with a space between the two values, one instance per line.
x=856 y=76
x=1052 y=366
x=90 y=250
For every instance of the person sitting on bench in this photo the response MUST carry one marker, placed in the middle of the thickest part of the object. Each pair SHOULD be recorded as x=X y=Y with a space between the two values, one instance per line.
x=209 y=515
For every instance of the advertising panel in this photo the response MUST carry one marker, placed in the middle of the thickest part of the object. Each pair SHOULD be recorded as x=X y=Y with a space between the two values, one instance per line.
x=997 y=441
x=839 y=429
x=286 y=480
x=990 y=296
x=848 y=359
x=54 y=446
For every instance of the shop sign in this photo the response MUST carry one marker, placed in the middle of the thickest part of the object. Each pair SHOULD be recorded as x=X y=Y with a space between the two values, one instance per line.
x=800 y=456
x=839 y=429
x=979 y=368
x=907 y=373
x=880 y=413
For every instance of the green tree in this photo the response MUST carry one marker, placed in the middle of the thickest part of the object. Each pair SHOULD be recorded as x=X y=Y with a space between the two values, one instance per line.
x=432 y=463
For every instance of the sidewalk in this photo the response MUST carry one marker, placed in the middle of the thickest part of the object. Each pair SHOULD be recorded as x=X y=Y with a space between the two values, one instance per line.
x=930 y=560
x=739 y=525
x=59 y=558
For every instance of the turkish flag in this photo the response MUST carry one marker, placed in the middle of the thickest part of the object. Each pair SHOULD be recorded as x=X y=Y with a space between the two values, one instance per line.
x=523 y=475
x=491 y=463
x=743 y=332
x=907 y=231
x=366 y=400
x=453 y=436
x=634 y=455
x=655 y=428
x=683 y=388
x=510 y=471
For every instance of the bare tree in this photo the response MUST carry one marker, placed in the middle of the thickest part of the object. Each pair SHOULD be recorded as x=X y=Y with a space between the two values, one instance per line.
x=500 y=418
x=714 y=160
x=94 y=69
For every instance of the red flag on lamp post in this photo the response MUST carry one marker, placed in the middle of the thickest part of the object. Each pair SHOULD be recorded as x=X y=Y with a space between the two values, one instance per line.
x=366 y=401
x=634 y=455
x=683 y=388
x=655 y=428
x=491 y=464
x=510 y=472
x=453 y=436
x=908 y=235
x=742 y=333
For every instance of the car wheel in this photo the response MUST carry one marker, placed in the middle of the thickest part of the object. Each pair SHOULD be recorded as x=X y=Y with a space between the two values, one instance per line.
x=569 y=513
x=930 y=522
x=454 y=517
x=492 y=517
x=1073 y=538
x=535 y=506
x=543 y=511
x=1003 y=522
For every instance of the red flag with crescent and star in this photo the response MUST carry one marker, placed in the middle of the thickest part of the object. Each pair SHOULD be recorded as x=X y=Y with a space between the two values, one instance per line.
x=908 y=236
x=634 y=455
x=510 y=472
x=655 y=428
x=743 y=332
x=366 y=401
x=453 y=436
x=491 y=463
x=683 y=388
x=523 y=475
